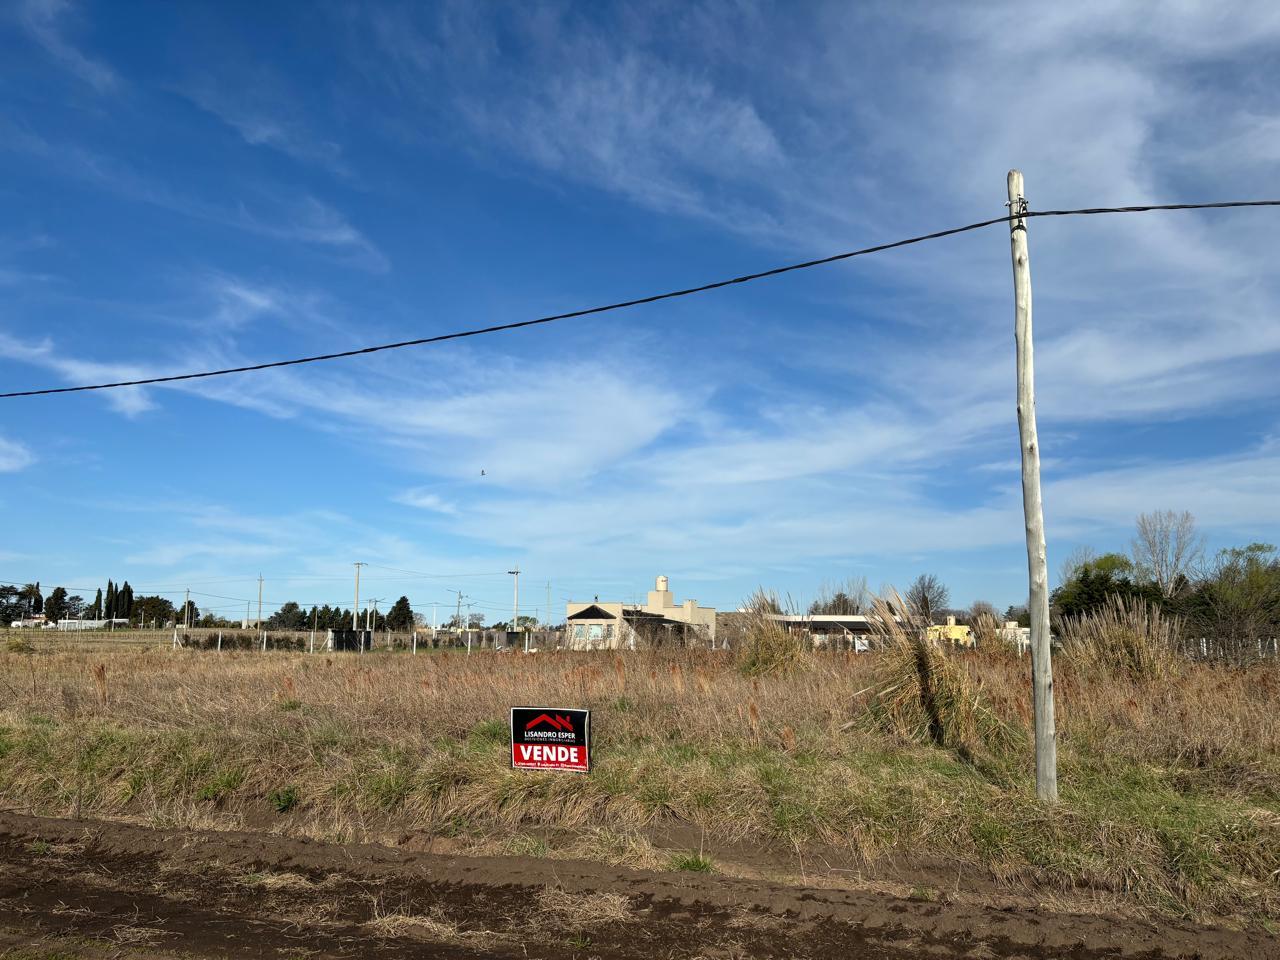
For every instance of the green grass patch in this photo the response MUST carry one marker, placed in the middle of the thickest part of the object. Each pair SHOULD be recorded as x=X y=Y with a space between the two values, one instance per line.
x=692 y=863
x=284 y=799
x=490 y=732
x=220 y=786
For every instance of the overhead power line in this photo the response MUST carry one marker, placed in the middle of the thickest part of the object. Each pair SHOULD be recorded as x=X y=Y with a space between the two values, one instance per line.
x=640 y=301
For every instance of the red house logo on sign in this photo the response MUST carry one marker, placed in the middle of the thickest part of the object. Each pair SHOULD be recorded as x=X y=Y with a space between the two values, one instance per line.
x=550 y=738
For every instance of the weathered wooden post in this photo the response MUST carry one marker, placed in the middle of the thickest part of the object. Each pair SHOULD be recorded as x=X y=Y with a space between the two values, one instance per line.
x=1032 y=508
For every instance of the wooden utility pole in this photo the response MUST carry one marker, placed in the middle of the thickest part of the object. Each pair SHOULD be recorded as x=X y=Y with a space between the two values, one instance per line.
x=458 y=618
x=515 y=608
x=260 y=630
x=1032 y=508
x=355 y=623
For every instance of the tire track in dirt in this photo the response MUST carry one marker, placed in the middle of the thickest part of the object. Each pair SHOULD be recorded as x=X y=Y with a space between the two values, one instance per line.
x=250 y=895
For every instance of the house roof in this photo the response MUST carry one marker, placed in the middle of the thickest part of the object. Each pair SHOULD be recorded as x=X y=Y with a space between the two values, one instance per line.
x=592 y=612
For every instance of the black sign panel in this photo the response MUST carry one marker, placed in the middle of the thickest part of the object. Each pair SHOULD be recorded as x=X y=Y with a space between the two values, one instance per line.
x=550 y=738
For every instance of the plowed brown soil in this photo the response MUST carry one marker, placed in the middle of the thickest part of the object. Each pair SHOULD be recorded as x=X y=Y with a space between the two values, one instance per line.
x=96 y=890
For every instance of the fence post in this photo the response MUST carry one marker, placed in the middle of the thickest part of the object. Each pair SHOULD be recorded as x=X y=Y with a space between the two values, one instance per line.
x=219 y=641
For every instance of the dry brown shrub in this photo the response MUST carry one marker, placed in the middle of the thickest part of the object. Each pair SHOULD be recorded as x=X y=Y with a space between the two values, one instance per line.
x=1126 y=637
x=924 y=694
x=100 y=683
x=989 y=638
x=767 y=646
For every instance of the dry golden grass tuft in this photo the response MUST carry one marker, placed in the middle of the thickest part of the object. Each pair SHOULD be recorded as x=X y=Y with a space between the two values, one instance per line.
x=277 y=881
x=1127 y=637
x=396 y=925
x=766 y=646
x=585 y=909
x=926 y=694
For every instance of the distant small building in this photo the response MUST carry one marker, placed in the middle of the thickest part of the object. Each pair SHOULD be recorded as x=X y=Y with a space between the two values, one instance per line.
x=78 y=624
x=613 y=625
x=951 y=632
x=850 y=631
x=1016 y=635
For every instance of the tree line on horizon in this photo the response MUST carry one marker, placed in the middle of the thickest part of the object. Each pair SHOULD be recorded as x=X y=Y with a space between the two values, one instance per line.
x=117 y=602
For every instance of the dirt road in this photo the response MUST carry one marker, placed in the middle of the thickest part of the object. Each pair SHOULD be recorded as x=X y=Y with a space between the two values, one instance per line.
x=96 y=890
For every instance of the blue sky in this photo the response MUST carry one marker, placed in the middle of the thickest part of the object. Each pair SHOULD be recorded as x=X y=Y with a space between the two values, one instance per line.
x=185 y=186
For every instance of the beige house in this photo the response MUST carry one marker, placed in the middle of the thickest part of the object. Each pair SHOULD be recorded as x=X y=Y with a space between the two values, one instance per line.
x=601 y=625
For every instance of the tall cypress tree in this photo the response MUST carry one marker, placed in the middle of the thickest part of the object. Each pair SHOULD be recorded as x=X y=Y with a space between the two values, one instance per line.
x=110 y=607
x=97 y=606
x=126 y=601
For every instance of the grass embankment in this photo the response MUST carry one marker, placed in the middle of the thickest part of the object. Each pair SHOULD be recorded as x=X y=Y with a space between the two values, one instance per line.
x=1170 y=789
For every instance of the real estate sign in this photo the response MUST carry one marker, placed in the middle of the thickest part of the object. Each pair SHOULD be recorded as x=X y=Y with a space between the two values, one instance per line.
x=550 y=738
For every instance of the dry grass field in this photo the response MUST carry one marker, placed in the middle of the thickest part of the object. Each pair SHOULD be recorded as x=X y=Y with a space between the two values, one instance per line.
x=1170 y=786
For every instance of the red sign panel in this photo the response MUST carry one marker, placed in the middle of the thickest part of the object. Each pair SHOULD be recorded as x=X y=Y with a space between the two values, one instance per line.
x=550 y=738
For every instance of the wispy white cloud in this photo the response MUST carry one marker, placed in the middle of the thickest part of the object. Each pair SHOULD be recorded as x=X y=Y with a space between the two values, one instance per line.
x=588 y=106
x=313 y=221
x=257 y=107
x=14 y=456
x=426 y=500
x=283 y=215
x=45 y=22
x=43 y=354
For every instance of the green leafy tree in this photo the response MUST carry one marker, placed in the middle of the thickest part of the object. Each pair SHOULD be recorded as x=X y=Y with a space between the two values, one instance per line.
x=124 y=601
x=290 y=616
x=55 y=607
x=110 y=600
x=1095 y=580
x=335 y=618
x=154 y=610
x=96 y=609
x=13 y=605
x=34 y=598
x=188 y=613
x=400 y=616
x=1237 y=599
x=1019 y=615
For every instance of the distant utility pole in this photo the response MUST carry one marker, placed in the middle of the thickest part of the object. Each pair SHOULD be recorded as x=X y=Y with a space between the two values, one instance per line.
x=261 y=632
x=186 y=610
x=458 y=618
x=1032 y=508
x=373 y=624
x=515 y=615
x=355 y=607
x=548 y=603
